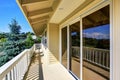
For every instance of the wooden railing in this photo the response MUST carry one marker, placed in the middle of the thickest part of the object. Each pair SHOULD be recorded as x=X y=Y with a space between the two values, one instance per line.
x=100 y=57
x=16 y=68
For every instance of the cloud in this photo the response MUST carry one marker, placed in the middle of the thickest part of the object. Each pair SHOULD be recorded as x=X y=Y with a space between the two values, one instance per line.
x=96 y=35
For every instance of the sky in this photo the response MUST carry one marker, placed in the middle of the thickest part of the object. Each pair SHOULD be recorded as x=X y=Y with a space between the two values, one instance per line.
x=10 y=10
x=99 y=32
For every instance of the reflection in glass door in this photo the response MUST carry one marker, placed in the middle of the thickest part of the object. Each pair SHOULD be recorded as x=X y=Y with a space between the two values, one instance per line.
x=96 y=45
x=75 y=49
x=64 y=47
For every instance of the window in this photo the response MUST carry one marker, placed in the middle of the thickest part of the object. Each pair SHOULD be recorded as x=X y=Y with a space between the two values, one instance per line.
x=64 y=46
x=93 y=44
x=75 y=49
x=96 y=45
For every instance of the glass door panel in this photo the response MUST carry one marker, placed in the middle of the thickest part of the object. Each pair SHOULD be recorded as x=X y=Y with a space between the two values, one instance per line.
x=96 y=45
x=64 y=47
x=75 y=49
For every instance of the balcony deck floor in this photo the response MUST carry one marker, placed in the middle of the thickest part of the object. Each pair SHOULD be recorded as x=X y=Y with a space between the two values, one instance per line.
x=46 y=67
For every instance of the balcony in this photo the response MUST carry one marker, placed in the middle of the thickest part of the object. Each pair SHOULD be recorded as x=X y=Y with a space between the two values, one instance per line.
x=31 y=65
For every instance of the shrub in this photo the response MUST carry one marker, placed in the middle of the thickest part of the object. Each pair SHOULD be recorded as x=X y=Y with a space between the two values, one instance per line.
x=29 y=41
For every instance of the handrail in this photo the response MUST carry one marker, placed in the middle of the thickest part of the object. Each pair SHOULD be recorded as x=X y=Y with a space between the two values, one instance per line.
x=17 y=67
x=100 y=57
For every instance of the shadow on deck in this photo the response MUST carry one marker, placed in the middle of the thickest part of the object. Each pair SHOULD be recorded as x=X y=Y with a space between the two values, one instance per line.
x=46 y=67
x=35 y=71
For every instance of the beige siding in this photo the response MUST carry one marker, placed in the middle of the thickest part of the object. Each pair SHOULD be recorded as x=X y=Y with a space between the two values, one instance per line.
x=53 y=37
x=116 y=40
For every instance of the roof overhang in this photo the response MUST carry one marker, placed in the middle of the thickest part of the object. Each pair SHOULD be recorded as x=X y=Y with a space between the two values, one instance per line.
x=38 y=12
x=41 y=12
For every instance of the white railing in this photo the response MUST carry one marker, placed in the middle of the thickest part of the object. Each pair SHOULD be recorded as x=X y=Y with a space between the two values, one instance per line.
x=16 y=68
x=100 y=57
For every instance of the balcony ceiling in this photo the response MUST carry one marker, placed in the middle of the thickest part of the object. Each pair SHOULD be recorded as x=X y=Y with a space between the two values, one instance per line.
x=64 y=9
x=40 y=12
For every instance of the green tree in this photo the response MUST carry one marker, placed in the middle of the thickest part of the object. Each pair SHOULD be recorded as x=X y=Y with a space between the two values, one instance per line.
x=14 y=30
x=14 y=27
x=29 y=41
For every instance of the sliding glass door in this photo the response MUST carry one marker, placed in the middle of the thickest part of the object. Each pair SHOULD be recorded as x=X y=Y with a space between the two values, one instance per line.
x=96 y=45
x=74 y=57
x=87 y=47
x=64 y=47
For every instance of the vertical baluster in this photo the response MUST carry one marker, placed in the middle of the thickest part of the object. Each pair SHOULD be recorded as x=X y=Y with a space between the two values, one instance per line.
x=8 y=76
x=20 y=68
x=12 y=75
x=96 y=56
x=93 y=55
x=90 y=55
x=107 y=59
x=87 y=53
x=84 y=55
x=103 y=58
x=18 y=71
x=15 y=74
x=84 y=51
x=97 y=52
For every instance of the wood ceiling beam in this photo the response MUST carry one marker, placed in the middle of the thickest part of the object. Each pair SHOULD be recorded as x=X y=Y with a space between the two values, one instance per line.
x=39 y=22
x=28 y=2
x=40 y=18
x=41 y=11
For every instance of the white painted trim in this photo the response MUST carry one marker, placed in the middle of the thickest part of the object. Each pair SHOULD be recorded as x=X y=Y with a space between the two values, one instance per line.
x=111 y=40
x=68 y=48
x=67 y=45
x=74 y=21
x=48 y=35
x=63 y=26
x=60 y=45
x=81 y=49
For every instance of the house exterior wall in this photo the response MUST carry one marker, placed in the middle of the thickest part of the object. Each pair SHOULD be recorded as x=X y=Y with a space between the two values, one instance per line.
x=116 y=39
x=53 y=39
x=115 y=24
x=53 y=35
